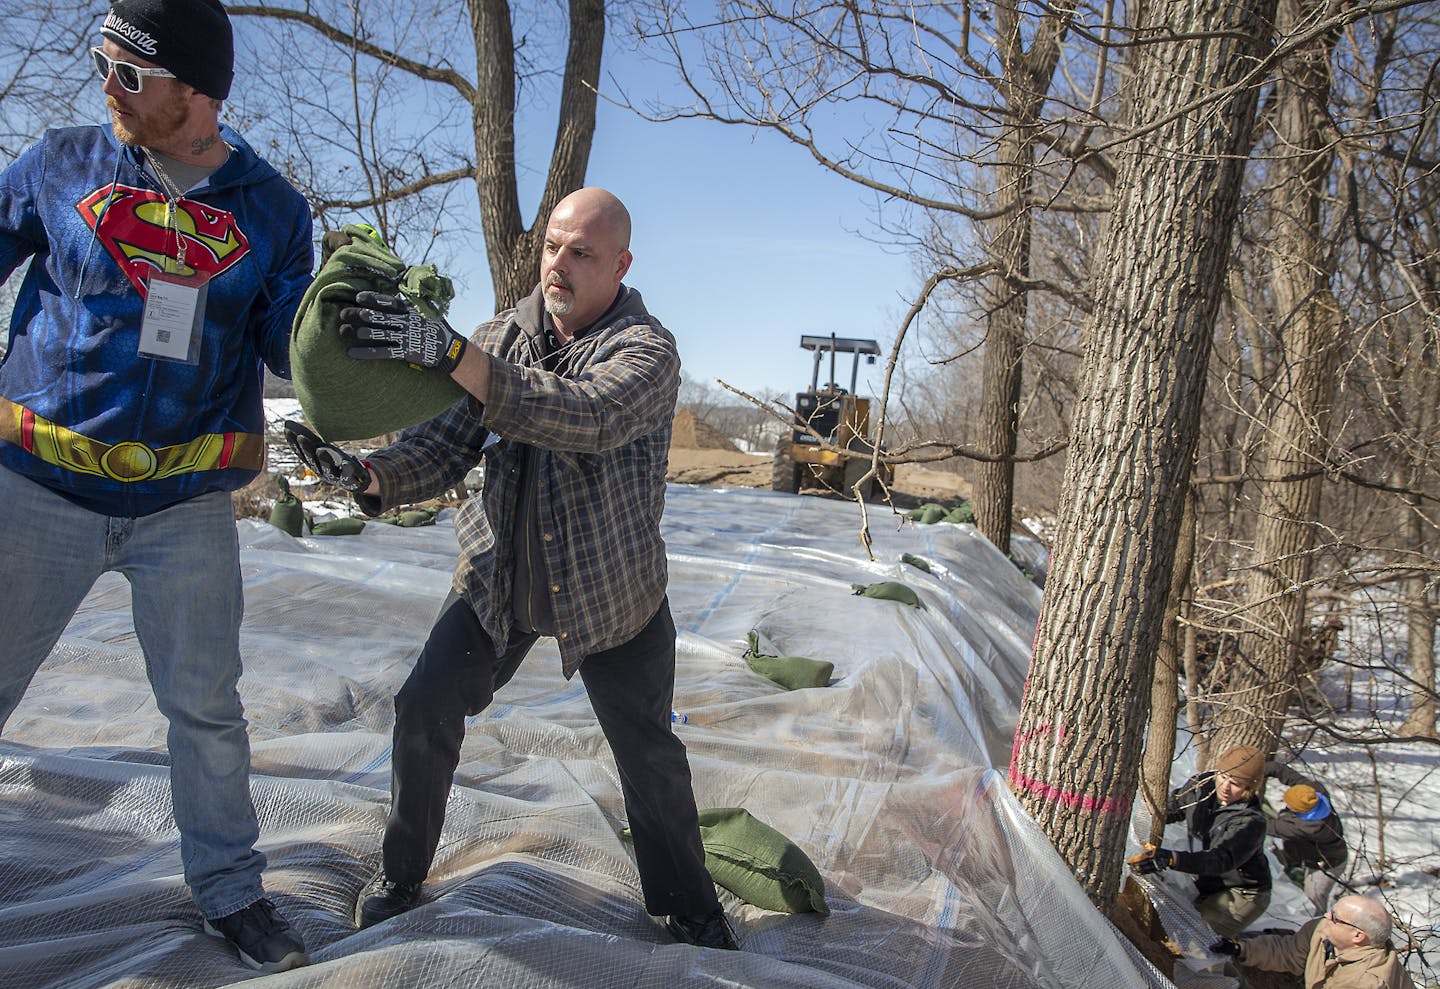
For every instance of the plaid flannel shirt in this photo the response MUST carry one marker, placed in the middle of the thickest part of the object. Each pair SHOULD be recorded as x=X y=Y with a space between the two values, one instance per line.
x=599 y=414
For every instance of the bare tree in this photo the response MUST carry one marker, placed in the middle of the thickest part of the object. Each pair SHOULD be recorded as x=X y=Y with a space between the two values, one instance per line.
x=1296 y=438
x=1190 y=102
x=371 y=37
x=1349 y=409
x=46 y=75
x=1164 y=691
x=1024 y=82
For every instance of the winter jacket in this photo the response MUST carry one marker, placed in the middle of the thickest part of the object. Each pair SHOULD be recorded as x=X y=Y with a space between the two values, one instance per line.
x=1318 y=844
x=1303 y=953
x=1231 y=838
x=81 y=411
x=585 y=429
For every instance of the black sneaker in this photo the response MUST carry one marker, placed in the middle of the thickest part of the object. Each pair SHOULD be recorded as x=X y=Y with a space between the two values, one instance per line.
x=384 y=898
x=263 y=938
x=708 y=930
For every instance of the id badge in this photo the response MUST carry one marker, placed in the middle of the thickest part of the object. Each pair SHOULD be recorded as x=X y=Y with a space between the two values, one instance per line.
x=174 y=318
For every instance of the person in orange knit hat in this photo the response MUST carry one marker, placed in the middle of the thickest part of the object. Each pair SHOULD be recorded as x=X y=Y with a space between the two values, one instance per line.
x=1313 y=846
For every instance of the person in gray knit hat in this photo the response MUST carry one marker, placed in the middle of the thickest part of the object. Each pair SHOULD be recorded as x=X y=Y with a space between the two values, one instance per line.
x=163 y=262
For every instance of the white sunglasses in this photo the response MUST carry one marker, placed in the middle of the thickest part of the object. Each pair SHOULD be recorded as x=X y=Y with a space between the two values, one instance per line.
x=131 y=77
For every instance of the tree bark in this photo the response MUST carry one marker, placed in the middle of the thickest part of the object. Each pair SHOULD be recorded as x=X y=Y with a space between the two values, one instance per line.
x=1423 y=379
x=1164 y=689
x=1024 y=84
x=1296 y=437
x=1420 y=644
x=514 y=249
x=1157 y=288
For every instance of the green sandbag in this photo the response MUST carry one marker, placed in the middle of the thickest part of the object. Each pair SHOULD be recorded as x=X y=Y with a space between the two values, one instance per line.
x=287 y=514
x=790 y=672
x=919 y=563
x=411 y=518
x=928 y=514
x=961 y=514
x=338 y=527
x=757 y=863
x=347 y=399
x=888 y=590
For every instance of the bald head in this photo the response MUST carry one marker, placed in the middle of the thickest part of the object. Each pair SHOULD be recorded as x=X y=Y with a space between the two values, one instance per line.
x=598 y=207
x=1366 y=914
x=585 y=255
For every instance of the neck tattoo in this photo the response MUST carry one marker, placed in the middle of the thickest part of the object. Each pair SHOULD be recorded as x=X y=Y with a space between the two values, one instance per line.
x=201 y=145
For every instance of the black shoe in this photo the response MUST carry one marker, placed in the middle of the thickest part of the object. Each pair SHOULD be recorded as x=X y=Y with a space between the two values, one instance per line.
x=708 y=930
x=263 y=938
x=384 y=898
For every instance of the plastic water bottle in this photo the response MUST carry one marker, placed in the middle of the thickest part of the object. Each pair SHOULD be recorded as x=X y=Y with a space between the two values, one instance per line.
x=676 y=718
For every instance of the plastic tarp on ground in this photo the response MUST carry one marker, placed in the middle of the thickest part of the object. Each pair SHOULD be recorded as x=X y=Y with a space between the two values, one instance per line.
x=934 y=875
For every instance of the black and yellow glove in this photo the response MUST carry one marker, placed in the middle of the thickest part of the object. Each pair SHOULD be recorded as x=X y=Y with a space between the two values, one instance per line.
x=387 y=328
x=330 y=463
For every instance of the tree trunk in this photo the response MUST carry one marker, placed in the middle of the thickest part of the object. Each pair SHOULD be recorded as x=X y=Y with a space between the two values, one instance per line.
x=1142 y=377
x=1298 y=422
x=1026 y=80
x=1424 y=385
x=1420 y=643
x=1164 y=689
x=514 y=249
x=1194 y=713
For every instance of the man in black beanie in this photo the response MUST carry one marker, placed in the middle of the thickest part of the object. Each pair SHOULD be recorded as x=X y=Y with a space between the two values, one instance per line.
x=191 y=38
x=166 y=263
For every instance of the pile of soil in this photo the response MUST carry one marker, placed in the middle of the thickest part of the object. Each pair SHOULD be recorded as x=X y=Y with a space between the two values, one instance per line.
x=690 y=433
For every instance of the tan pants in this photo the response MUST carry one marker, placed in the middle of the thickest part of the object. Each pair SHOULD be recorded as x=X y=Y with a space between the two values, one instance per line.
x=1230 y=911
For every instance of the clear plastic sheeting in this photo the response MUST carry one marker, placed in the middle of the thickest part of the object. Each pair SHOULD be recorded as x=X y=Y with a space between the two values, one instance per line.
x=934 y=875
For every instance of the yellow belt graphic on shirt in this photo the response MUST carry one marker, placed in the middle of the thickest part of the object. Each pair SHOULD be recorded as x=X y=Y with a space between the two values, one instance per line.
x=131 y=460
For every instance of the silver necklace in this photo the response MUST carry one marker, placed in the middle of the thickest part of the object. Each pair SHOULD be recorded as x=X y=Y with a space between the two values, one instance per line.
x=172 y=195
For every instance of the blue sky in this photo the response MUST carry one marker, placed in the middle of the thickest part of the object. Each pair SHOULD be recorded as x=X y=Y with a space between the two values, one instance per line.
x=742 y=244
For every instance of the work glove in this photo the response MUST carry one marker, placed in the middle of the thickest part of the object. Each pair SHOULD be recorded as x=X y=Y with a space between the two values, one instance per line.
x=1226 y=946
x=1152 y=860
x=387 y=328
x=330 y=463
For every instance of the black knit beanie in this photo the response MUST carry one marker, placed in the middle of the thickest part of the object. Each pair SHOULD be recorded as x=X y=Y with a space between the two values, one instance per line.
x=191 y=38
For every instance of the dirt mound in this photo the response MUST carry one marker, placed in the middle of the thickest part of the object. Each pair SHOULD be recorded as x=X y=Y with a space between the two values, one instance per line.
x=690 y=433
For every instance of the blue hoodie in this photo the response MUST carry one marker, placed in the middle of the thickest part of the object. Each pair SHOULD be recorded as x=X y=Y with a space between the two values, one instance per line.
x=81 y=207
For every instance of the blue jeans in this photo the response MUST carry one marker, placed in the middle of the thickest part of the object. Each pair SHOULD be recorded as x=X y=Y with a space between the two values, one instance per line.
x=183 y=565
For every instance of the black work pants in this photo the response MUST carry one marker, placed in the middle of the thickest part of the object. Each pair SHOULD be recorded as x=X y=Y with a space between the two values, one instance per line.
x=631 y=689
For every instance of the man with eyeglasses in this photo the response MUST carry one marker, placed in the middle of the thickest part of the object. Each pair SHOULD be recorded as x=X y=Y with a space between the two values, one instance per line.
x=165 y=264
x=1347 y=948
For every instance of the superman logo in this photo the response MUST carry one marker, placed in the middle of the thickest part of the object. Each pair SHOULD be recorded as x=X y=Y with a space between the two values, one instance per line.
x=136 y=227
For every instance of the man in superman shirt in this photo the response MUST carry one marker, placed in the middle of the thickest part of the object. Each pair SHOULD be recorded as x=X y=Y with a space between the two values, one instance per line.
x=165 y=263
